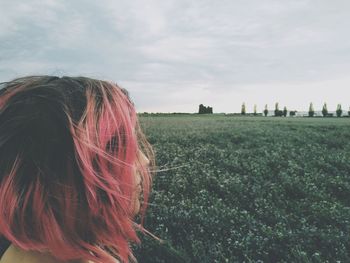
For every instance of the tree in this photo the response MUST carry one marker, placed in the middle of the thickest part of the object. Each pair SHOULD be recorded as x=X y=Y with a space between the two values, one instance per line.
x=276 y=109
x=266 y=111
x=255 y=110
x=285 y=111
x=292 y=113
x=339 y=110
x=349 y=111
x=243 y=109
x=311 y=110
x=324 y=110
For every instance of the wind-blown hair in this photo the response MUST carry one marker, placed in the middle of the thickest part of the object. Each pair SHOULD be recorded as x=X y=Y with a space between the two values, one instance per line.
x=68 y=151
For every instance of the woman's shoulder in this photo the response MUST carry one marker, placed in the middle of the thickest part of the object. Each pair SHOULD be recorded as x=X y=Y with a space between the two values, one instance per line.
x=14 y=255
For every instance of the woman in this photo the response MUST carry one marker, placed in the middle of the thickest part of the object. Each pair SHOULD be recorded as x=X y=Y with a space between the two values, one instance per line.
x=73 y=165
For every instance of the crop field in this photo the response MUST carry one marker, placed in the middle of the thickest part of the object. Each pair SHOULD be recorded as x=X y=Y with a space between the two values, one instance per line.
x=248 y=189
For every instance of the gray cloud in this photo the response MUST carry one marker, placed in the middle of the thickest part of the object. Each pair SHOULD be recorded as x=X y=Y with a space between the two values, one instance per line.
x=173 y=55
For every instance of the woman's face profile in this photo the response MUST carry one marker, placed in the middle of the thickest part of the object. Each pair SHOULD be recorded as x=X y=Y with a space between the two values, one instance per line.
x=143 y=161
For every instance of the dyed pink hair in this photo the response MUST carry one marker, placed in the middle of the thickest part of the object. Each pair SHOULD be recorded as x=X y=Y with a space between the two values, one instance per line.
x=68 y=154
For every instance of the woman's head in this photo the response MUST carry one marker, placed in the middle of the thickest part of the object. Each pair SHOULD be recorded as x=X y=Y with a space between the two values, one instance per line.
x=72 y=161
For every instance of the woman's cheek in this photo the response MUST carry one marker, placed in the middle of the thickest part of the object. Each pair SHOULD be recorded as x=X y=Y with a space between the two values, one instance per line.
x=136 y=203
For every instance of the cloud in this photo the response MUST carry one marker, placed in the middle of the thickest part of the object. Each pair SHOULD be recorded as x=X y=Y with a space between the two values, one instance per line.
x=178 y=53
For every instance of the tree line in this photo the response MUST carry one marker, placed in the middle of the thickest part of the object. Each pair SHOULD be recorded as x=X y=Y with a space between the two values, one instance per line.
x=311 y=112
x=279 y=113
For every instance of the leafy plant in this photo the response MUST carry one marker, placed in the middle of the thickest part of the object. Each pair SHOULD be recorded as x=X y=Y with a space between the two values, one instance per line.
x=233 y=189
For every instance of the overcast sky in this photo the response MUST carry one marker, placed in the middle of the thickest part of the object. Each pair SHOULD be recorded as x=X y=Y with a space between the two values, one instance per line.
x=173 y=55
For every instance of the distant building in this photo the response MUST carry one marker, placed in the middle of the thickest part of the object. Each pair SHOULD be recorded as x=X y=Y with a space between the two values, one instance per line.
x=205 y=110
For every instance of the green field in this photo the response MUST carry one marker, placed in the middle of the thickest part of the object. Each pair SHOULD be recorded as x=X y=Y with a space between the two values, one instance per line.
x=249 y=189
